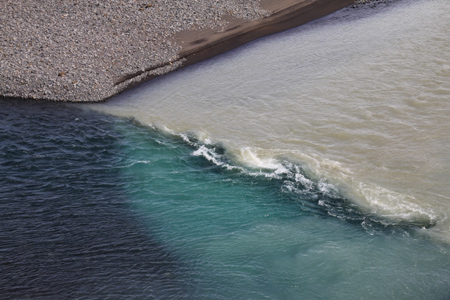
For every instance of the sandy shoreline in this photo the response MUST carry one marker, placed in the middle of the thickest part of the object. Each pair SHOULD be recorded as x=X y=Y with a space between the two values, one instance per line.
x=87 y=51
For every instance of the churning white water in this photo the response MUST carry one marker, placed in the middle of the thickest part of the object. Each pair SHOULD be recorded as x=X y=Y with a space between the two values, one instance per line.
x=360 y=98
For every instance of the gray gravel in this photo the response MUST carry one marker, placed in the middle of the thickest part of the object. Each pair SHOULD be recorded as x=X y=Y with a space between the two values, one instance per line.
x=74 y=50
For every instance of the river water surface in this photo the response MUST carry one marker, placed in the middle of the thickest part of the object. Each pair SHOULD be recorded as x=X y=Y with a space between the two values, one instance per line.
x=311 y=164
x=360 y=100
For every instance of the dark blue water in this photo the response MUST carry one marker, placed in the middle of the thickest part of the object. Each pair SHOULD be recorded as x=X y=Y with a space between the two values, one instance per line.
x=66 y=229
x=96 y=207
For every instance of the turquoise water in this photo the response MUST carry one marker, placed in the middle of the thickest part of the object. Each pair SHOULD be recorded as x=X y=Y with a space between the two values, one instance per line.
x=249 y=236
x=358 y=99
x=246 y=235
x=256 y=175
x=95 y=207
x=67 y=230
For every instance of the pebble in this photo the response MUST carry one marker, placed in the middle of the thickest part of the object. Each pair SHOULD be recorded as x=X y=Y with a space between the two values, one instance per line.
x=95 y=42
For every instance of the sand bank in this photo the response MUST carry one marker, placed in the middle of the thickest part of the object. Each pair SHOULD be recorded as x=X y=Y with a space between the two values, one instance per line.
x=84 y=50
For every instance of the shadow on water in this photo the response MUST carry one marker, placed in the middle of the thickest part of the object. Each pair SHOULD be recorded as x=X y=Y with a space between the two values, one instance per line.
x=93 y=206
x=254 y=234
x=66 y=228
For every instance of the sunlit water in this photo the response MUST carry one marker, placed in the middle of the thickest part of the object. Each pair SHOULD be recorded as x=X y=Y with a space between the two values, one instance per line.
x=359 y=100
x=94 y=207
x=307 y=165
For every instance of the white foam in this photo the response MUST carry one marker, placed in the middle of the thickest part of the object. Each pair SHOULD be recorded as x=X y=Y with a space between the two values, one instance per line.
x=393 y=205
x=362 y=112
x=248 y=157
x=333 y=179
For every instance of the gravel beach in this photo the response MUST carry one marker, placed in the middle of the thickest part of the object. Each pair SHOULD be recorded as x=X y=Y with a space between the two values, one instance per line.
x=90 y=50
